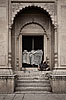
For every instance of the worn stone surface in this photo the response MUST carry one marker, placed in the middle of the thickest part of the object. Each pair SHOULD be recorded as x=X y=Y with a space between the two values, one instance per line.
x=33 y=97
x=9 y=97
x=63 y=34
x=58 y=83
x=7 y=84
x=3 y=33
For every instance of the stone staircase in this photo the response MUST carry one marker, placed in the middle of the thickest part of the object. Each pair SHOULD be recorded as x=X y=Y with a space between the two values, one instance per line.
x=32 y=81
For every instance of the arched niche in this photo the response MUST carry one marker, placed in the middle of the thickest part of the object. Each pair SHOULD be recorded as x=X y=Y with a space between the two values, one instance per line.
x=34 y=31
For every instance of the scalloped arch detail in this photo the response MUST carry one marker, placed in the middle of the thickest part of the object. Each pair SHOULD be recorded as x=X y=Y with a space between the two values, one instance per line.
x=16 y=9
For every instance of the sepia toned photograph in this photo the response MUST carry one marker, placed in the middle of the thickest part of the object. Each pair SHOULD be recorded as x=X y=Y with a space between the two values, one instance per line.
x=32 y=49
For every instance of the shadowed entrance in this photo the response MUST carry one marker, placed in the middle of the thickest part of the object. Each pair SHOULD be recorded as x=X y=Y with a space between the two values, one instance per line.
x=32 y=43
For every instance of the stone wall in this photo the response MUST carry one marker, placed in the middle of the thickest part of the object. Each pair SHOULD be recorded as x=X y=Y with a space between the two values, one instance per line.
x=58 y=77
x=3 y=33
x=62 y=29
x=6 y=74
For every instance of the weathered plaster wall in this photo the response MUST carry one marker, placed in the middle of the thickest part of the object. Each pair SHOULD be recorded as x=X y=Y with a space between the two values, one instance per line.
x=3 y=33
x=61 y=10
x=58 y=77
x=6 y=80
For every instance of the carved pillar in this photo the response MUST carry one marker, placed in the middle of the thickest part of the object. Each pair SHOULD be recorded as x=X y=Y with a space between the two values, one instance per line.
x=17 y=53
x=9 y=37
x=9 y=52
x=56 y=48
x=20 y=52
x=45 y=47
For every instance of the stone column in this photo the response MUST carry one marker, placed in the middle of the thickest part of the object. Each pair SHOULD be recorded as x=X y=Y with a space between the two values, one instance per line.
x=9 y=37
x=9 y=51
x=20 y=52
x=17 y=54
x=56 y=48
x=45 y=47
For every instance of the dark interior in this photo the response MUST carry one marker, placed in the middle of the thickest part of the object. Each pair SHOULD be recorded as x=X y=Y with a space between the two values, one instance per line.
x=27 y=44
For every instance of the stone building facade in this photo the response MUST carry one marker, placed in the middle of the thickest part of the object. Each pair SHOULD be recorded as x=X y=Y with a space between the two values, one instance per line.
x=44 y=19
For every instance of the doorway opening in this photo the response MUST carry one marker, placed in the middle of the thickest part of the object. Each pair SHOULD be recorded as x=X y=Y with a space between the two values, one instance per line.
x=32 y=43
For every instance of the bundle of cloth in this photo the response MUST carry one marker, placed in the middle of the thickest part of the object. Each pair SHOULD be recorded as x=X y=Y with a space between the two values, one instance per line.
x=34 y=57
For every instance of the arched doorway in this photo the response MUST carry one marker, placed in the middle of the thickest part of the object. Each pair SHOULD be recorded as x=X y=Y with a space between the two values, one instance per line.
x=30 y=23
x=34 y=38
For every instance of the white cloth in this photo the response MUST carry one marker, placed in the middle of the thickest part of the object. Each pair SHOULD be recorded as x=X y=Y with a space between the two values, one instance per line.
x=26 y=58
x=33 y=57
x=38 y=57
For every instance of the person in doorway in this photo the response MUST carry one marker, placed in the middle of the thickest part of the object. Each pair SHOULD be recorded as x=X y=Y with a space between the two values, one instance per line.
x=43 y=66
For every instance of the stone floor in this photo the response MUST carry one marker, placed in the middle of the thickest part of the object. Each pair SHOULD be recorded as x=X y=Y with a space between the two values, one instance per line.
x=32 y=96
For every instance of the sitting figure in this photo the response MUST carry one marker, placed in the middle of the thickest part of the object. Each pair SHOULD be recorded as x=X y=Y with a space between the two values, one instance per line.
x=43 y=66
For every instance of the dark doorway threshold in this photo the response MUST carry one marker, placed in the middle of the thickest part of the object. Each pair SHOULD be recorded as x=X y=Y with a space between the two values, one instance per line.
x=32 y=43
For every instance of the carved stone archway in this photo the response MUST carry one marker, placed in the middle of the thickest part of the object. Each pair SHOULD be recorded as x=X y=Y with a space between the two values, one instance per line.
x=18 y=7
x=43 y=33
x=48 y=7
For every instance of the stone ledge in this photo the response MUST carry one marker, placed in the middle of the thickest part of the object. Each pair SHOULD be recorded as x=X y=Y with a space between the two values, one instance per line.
x=7 y=83
x=40 y=1
x=57 y=77
x=7 y=76
x=58 y=82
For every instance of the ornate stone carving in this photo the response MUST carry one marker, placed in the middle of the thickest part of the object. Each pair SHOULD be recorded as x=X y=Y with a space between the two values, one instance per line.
x=49 y=7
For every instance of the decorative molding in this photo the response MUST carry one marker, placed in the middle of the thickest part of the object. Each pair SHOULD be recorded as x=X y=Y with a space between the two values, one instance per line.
x=17 y=62
x=7 y=77
x=56 y=57
x=58 y=77
x=48 y=7
x=9 y=57
x=40 y=1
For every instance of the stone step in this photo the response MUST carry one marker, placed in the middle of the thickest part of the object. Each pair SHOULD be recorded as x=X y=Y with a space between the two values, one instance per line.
x=33 y=81
x=33 y=85
x=30 y=68
x=32 y=78
x=32 y=92
x=33 y=89
x=31 y=73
